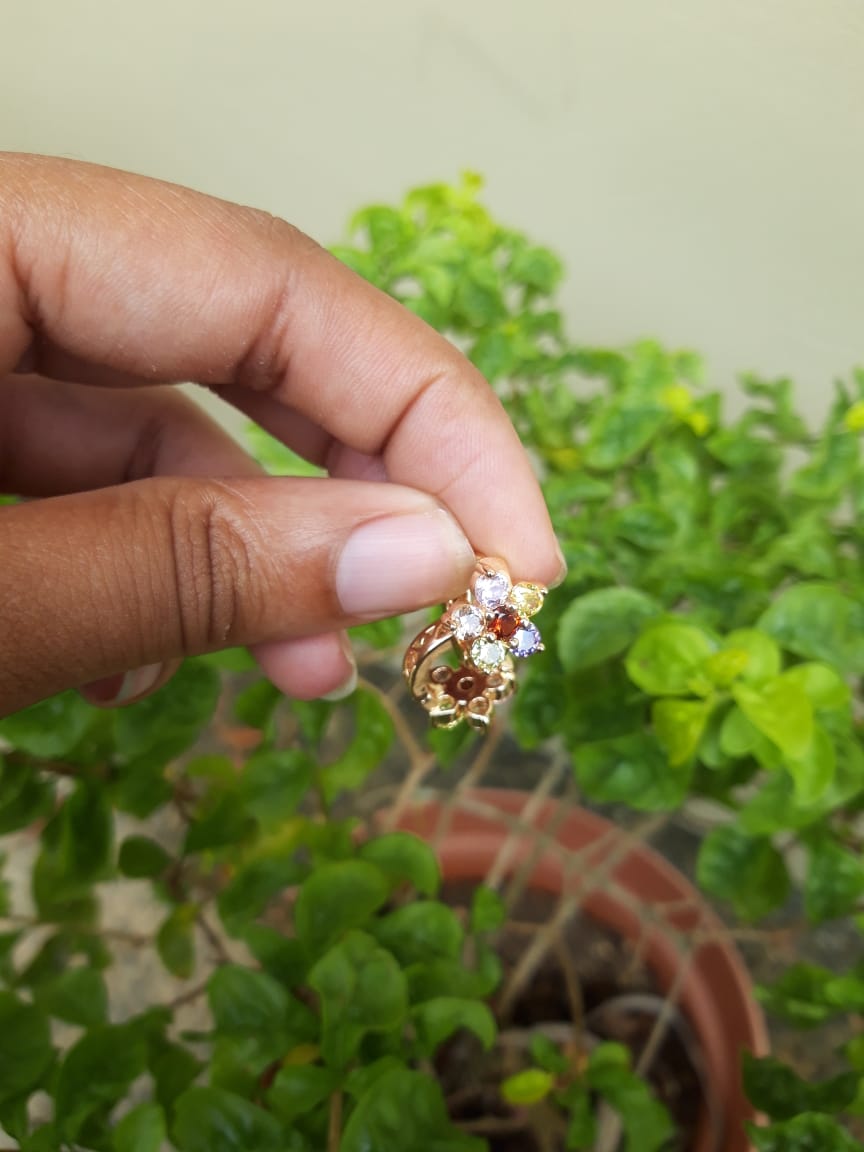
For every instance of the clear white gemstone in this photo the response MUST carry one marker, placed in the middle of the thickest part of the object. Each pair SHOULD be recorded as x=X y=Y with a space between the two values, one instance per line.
x=492 y=589
x=488 y=654
x=467 y=622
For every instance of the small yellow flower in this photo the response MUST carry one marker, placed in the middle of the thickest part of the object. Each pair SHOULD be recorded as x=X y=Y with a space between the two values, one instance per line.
x=854 y=418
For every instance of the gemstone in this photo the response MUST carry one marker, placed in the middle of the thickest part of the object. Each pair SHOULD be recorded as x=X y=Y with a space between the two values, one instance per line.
x=488 y=654
x=504 y=623
x=491 y=589
x=525 y=641
x=527 y=599
x=467 y=622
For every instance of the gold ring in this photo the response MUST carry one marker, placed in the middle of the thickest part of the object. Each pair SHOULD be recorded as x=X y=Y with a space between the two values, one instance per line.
x=484 y=630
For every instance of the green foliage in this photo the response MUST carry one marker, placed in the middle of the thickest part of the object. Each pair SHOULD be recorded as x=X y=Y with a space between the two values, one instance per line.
x=707 y=642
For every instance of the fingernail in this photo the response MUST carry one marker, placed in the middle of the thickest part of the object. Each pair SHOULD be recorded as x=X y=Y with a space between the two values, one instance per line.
x=349 y=684
x=562 y=569
x=399 y=563
x=120 y=689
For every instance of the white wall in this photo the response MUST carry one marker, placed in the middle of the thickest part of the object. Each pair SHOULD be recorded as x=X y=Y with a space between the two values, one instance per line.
x=699 y=163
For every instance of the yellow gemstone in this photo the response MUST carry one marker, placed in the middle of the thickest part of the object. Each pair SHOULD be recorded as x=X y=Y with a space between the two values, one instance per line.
x=527 y=599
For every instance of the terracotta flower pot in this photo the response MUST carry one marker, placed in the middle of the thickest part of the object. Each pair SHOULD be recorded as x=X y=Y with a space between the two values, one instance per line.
x=715 y=994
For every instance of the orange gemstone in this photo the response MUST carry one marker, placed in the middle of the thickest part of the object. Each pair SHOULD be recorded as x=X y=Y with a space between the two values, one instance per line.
x=504 y=623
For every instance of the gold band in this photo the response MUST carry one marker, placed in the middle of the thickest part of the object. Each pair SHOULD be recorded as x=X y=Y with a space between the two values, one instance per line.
x=451 y=695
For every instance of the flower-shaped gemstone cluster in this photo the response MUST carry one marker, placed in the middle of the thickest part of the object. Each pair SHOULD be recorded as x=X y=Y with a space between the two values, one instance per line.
x=492 y=621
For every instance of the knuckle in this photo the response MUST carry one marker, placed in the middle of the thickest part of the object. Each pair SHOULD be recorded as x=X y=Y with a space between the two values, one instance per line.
x=211 y=557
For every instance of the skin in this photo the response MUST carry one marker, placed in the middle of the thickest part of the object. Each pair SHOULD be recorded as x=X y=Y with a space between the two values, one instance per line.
x=152 y=535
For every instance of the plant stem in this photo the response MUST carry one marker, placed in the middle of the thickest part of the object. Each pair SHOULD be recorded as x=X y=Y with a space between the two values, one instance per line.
x=569 y=906
x=334 y=1125
x=187 y=997
x=213 y=938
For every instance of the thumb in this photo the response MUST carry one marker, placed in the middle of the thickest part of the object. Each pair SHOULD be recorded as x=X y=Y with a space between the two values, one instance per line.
x=143 y=574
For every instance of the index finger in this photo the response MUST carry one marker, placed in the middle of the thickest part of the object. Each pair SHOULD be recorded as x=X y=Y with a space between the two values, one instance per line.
x=158 y=282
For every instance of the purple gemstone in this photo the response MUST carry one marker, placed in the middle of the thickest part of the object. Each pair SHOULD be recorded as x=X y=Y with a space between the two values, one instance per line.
x=525 y=641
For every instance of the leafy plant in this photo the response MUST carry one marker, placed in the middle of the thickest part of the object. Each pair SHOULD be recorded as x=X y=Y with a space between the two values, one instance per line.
x=706 y=644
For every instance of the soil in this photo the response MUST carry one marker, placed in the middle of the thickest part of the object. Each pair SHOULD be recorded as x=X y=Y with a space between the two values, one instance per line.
x=593 y=988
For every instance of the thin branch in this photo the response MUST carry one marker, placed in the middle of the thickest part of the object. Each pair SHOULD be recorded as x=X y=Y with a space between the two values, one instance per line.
x=547 y=933
x=334 y=1123
x=187 y=997
x=473 y=776
x=213 y=938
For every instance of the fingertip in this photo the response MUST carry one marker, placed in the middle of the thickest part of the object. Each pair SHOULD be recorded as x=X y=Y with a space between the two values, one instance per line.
x=310 y=667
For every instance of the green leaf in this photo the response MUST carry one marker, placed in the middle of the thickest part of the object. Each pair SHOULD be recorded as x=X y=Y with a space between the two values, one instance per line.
x=775 y=1089
x=679 y=725
x=646 y=525
x=646 y=1122
x=274 y=456
x=141 y=1130
x=833 y=463
x=373 y=736
x=175 y=941
x=748 y=872
x=173 y=1069
x=813 y=772
x=807 y=1133
x=835 y=881
x=620 y=431
x=51 y=728
x=96 y=1073
x=362 y=989
x=441 y=977
x=404 y=859
x=77 y=995
x=223 y=822
x=26 y=1051
x=245 y=1002
x=581 y=1121
x=87 y=836
x=142 y=858
x=438 y=1019
x=819 y=622
x=779 y=710
x=171 y=719
x=379 y=634
x=763 y=655
x=403 y=1111
x=632 y=770
x=601 y=624
x=800 y=995
x=666 y=657
x=821 y=683
x=253 y=886
x=273 y=784
x=336 y=898
x=419 y=931
x=527 y=1087
x=281 y=957
x=24 y=797
x=488 y=911
x=299 y=1089
x=255 y=705
x=213 y=1120
x=738 y=736
x=77 y=851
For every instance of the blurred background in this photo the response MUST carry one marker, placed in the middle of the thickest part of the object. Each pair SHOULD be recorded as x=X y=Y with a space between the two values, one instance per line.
x=699 y=164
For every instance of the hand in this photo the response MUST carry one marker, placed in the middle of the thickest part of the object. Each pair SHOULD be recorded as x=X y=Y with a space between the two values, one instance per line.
x=154 y=536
